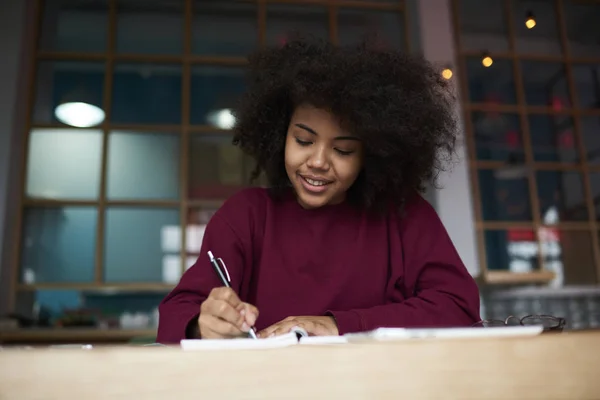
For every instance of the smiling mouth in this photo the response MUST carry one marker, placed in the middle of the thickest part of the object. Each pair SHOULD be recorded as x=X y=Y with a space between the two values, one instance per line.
x=313 y=184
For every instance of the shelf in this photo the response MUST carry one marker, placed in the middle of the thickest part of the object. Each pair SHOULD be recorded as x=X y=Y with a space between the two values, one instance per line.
x=100 y=287
x=507 y=277
x=72 y=335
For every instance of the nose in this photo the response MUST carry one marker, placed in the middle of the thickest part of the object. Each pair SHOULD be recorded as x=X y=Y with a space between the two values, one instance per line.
x=318 y=159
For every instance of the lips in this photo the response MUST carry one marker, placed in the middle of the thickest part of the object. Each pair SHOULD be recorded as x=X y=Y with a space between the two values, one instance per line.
x=314 y=184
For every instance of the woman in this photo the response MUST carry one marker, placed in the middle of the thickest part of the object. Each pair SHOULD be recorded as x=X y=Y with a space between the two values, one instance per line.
x=342 y=241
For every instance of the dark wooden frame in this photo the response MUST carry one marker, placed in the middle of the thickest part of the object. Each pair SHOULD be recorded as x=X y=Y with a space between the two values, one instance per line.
x=185 y=130
x=523 y=111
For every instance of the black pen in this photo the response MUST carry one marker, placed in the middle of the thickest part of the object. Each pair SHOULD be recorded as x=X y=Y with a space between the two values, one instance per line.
x=226 y=280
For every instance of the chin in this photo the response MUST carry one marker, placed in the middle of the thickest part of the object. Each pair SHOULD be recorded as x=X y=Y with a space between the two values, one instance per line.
x=310 y=203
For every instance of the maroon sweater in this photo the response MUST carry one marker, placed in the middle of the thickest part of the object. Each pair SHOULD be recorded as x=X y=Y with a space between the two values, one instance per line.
x=366 y=271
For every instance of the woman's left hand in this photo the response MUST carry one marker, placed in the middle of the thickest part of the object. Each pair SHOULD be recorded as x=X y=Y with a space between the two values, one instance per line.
x=315 y=326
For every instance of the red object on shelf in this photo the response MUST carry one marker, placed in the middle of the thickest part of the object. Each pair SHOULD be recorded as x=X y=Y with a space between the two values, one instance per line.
x=556 y=103
x=512 y=139
x=546 y=234
x=549 y=234
x=492 y=100
x=521 y=235
x=566 y=139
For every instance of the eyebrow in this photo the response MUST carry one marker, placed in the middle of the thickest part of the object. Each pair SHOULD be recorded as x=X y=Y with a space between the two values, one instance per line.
x=312 y=131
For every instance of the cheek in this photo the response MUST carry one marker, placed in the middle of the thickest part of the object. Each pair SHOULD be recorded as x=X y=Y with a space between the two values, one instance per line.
x=291 y=154
x=349 y=170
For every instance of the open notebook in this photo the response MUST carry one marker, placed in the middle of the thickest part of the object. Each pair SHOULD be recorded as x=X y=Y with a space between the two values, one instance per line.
x=299 y=336
x=294 y=337
x=387 y=334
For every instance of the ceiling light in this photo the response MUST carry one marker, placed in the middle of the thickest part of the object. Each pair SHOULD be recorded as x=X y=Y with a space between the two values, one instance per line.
x=222 y=119
x=529 y=20
x=487 y=61
x=79 y=114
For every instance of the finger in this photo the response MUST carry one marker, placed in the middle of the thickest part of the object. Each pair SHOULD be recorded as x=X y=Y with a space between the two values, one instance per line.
x=279 y=328
x=249 y=312
x=227 y=294
x=268 y=330
x=315 y=329
x=223 y=310
x=212 y=327
x=283 y=329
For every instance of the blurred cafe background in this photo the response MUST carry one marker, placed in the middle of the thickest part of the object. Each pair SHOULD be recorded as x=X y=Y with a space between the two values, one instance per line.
x=115 y=147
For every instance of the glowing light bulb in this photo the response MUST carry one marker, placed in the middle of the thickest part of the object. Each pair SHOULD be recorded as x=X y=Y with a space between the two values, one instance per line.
x=530 y=20
x=79 y=114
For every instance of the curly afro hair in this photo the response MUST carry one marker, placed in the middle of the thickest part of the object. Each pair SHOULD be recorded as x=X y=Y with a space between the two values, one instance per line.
x=397 y=104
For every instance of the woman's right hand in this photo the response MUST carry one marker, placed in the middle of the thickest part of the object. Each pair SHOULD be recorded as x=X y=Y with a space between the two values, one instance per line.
x=224 y=316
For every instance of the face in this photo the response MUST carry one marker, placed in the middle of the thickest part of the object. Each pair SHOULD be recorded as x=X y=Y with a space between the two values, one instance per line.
x=321 y=159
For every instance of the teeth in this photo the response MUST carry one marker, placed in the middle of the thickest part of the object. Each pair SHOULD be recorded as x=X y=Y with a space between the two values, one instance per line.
x=315 y=183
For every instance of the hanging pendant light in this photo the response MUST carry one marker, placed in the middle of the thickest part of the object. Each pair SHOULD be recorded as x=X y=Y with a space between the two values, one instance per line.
x=78 y=109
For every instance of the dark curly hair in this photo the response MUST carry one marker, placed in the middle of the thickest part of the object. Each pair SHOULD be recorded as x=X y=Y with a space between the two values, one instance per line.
x=397 y=104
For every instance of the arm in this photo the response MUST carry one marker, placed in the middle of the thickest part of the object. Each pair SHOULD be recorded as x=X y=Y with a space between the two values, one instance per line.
x=432 y=289
x=179 y=310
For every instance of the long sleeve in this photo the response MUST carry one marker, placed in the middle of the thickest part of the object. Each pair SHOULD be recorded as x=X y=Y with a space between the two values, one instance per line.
x=227 y=240
x=431 y=287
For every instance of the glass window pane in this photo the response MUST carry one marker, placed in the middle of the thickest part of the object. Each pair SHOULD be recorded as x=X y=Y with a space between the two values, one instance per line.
x=587 y=81
x=147 y=94
x=561 y=197
x=498 y=137
x=68 y=82
x=218 y=169
x=64 y=164
x=197 y=219
x=491 y=85
x=505 y=193
x=58 y=245
x=143 y=166
x=214 y=92
x=569 y=255
x=224 y=28
x=142 y=244
x=595 y=186
x=483 y=25
x=354 y=25
x=543 y=37
x=583 y=30
x=516 y=250
x=74 y=26
x=103 y=309
x=284 y=20
x=137 y=23
x=590 y=132
x=553 y=138
x=545 y=84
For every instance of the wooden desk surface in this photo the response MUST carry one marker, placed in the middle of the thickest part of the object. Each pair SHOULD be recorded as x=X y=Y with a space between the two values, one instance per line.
x=563 y=366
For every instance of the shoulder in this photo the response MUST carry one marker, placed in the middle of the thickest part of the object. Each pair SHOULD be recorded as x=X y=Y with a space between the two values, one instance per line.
x=416 y=214
x=251 y=196
x=252 y=200
x=244 y=211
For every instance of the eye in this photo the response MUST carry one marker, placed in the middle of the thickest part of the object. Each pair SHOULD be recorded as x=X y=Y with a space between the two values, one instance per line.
x=344 y=153
x=302 y=142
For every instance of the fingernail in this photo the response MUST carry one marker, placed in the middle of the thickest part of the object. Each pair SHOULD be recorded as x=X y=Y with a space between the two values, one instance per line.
x=245 y=327
x=252 y=318
x=272 y=335
x=243 y=311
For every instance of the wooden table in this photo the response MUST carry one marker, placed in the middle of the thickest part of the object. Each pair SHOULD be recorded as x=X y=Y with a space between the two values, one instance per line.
x=560 y=366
